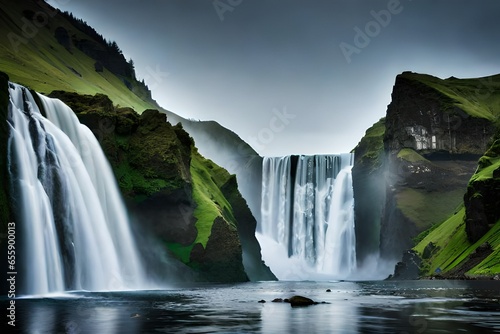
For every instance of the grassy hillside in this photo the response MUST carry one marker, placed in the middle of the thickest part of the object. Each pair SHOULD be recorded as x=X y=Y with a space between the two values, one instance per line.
x=371 y=147
x=448 y=245
x=478 y=97
x=207 y=178
x=453 y=249
x=32 y=56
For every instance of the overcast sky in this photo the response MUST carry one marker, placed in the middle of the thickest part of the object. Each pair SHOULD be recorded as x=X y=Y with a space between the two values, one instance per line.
x=294 y=76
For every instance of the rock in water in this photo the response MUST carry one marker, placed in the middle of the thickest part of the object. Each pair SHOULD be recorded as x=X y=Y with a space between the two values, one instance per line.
x=301 y=301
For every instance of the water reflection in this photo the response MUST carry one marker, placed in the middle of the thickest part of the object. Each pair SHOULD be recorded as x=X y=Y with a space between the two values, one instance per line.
x=371 y=307
x=325 y=318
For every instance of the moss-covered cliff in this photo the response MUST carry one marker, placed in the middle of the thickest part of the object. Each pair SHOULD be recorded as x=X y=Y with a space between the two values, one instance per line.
x=67 y=54
x=369 y=191
x=468 y=243
x=435 y=131
x=185 y=200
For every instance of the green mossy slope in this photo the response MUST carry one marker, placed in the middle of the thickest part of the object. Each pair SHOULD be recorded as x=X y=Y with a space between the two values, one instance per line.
x=207 y=178
x=169 y=187
x=370 y=149
x=369 y=189
x=449 y=246
x=32 y=56
x=478 y=97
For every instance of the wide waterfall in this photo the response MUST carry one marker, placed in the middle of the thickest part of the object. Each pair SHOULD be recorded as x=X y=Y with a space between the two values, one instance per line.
x=307 y=225
x=74 y=229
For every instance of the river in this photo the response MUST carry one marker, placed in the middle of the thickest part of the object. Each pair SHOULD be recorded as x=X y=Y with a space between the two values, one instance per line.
x=349 y=307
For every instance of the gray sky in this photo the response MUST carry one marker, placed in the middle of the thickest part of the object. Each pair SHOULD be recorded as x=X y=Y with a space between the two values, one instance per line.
x=294 y=76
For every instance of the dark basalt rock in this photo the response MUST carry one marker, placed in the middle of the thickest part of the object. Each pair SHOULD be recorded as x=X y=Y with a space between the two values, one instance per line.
x=482 y=199
x=447 y=143
x=408 y=268
x=220 y=260
x=298 y=301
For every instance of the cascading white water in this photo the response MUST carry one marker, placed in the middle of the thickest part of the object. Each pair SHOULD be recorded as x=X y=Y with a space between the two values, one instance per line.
x=74 y=225
x=307 y=225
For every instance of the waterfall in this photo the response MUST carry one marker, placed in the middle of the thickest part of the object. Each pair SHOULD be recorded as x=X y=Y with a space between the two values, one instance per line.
x=307 y=224
x=74 y=227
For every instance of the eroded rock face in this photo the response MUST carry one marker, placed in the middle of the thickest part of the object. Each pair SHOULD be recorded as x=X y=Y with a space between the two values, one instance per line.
x=447 y=142
x=482 y=199
x=408 y=268
x=425 y=151
x=152 y=163
x=422 y=118
x=221 y=259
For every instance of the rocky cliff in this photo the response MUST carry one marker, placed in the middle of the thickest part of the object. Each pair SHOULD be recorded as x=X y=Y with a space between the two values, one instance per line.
x=67 y=54
x=185 y=200
x=369 y=190
x=467 y=244
x=420 y=167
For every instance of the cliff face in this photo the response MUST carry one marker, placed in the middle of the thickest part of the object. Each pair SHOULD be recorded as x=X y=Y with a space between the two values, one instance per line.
x=467 y=244
x=435 y=131
x=369 y=190
x=482 y=199
x=192 y=205
x=423 y=117
x=70 y=55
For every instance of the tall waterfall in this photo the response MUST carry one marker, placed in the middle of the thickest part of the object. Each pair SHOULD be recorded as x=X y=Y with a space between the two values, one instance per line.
x=307 y=225
x=74 y=228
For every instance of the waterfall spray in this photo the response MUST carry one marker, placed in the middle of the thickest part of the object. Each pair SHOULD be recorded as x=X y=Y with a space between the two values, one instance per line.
x=307 y=225
x=75 y=228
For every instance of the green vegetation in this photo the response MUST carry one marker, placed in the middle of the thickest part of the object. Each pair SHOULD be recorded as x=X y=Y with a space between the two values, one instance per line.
x=490 y=265
x=454 y=248
x=44 y=65
x=132 y=181
x=211 y=203
x=410 y=155
x=428 y=208
x=207 y=178
x=451 y=237
x=477 y=97
x=452 y=241
x=488 y=163
x=154 y=162
x=370 y=149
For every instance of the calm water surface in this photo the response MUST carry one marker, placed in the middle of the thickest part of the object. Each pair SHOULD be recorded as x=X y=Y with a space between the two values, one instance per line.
x=351 y=307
